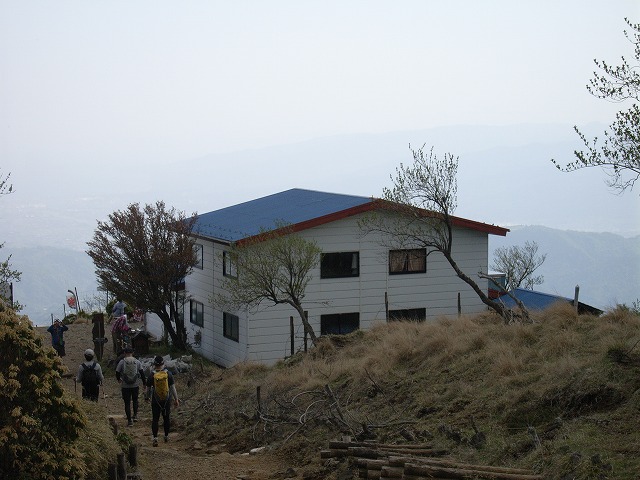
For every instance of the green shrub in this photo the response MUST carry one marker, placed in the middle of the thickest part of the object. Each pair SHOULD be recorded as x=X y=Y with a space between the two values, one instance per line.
x=39 y=423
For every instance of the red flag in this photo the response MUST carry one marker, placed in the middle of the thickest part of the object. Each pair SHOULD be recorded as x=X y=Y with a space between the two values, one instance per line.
x=71 y=301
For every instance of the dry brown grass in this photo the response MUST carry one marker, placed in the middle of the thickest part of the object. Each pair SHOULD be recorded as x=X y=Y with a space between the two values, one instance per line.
x=408 y=380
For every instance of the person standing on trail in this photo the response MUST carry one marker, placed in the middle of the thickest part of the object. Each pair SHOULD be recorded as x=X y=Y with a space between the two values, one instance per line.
x=130 y=376
x=90 y=376
x=161 y=389
x=57 y=336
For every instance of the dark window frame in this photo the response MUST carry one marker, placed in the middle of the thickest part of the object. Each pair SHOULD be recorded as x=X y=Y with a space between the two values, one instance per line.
x=199 y=255
x=407 y=261
x=196 y=313
x=340 y=264
x=231 y=326
x=229 y=268
x=339 y=323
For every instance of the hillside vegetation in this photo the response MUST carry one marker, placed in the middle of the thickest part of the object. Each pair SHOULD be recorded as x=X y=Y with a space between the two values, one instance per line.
x=45 y=432
x=560 y=396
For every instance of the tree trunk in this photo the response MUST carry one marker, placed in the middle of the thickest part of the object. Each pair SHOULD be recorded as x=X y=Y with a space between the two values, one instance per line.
x=176 y=339
x=307 y=326
x=497 y=307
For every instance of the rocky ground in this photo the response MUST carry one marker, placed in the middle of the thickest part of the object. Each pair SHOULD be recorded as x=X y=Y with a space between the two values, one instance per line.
x=180 y=458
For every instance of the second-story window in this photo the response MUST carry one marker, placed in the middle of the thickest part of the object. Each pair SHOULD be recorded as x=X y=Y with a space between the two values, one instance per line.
x=412 y=260
x=228 y=266
x=340 y=264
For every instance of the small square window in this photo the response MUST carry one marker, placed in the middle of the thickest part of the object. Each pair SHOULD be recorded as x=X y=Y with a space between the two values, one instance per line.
x=228 y=266
x=196 y=313
x=231 y=326
x=407 y=261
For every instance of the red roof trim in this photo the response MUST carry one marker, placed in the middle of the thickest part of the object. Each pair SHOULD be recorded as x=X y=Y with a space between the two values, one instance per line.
x=376 y=204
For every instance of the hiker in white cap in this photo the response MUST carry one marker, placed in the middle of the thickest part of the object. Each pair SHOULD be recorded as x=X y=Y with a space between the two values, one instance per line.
x=90 y=376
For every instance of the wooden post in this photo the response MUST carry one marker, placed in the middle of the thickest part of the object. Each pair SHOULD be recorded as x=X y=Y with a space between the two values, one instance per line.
x=575 y=298
x=459 y=305
x=291 y=333
x=114 y=426
x=98 y=334
x=306 y=316
x=112 y=472
x=386 y=306
x=122 y=466
x=133 y=455
x=258 y=399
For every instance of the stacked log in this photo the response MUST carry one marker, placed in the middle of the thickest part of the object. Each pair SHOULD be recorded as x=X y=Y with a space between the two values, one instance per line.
x=416 y=462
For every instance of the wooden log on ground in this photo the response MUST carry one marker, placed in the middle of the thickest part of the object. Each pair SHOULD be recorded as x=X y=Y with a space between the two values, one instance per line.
x=371 y=464
x=413 y=477
x=468 y=466
x=464 y=474
x=432 y=452
x=389 y=473
x=343 y=444
x=364 y=452
x=335 y=453
x=372 y=475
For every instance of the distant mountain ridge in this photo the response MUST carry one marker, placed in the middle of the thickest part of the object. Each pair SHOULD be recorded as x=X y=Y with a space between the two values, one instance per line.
x=605 y=265
x=505 y=177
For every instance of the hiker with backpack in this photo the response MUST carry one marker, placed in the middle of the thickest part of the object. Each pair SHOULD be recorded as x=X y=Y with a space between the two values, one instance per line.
x=90 y=376
x=161 y=389
x=130 y=376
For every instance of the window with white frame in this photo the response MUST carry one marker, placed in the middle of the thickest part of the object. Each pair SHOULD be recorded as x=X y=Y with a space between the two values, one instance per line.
x=228 y=266
x=413 y=260
x=196 y=313
x=231 y=326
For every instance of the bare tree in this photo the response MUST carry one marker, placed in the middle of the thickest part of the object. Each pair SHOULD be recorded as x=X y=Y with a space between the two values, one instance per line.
x=5 y=186
x=272 y=267
x=142 y=255
x=619 y=154
x=8 y=274
x=518 y=264
x=423 y=199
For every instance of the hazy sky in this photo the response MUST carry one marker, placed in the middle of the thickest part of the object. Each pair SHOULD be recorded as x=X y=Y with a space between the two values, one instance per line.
x=98 y=86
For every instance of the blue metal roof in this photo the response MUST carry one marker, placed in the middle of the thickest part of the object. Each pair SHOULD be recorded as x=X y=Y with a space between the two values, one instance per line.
x=289 y=207
x=539 y=301
x=531 y=299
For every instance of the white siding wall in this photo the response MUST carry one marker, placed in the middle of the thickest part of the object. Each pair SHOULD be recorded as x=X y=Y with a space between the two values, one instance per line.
x=201 y=286
x=265 y=337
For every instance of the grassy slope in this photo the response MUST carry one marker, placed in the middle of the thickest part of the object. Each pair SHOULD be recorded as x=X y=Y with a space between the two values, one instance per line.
x=481 y=389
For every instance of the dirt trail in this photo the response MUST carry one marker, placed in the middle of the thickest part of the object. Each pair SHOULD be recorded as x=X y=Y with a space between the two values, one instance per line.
x=178 y=459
